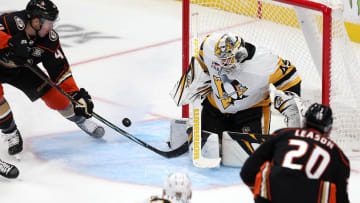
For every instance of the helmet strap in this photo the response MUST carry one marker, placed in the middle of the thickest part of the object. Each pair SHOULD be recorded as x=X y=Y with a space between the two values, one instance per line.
x=36 y=30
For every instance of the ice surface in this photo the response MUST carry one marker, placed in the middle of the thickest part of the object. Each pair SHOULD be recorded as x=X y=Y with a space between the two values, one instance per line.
x=127 y=54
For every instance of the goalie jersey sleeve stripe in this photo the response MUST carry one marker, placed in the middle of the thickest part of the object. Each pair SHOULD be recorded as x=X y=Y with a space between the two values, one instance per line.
x=285 y=76
x=183 y=84
x=200 y=56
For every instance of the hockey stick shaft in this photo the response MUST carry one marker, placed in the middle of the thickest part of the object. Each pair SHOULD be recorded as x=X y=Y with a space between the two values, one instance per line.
x=168 y=154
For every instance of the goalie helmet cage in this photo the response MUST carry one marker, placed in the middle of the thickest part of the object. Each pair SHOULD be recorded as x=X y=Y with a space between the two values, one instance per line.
x=310 y=34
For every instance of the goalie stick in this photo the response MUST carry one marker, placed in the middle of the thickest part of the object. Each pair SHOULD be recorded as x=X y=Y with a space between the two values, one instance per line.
x=168 y=154
x=198 y=159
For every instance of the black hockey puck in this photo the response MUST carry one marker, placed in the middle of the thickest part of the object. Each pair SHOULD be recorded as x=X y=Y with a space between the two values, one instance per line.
x=126 y=122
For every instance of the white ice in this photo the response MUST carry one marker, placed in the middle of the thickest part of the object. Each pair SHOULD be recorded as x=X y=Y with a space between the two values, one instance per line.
x=133 y=81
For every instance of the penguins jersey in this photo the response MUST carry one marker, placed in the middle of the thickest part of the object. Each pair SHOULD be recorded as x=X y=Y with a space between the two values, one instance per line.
x=247 y=85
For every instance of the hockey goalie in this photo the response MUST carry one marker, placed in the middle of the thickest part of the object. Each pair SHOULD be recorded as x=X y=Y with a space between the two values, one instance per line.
x=230 y=84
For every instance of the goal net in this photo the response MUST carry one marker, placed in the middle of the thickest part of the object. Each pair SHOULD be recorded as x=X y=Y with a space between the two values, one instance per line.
x=310 y=34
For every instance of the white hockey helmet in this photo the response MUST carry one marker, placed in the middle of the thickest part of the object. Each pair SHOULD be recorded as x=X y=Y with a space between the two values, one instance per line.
x=177 y=188
x=230 y=50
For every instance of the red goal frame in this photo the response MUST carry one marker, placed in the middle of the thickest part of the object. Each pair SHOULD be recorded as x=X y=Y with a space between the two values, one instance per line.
x=326 y=46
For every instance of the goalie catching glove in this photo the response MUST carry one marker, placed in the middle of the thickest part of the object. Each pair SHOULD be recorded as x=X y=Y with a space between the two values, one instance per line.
x=290 y=105
x=84 y=105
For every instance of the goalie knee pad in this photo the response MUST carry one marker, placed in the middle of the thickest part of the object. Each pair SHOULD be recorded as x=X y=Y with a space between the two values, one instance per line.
x=235 y=150
x=210 y=147
x=178 y=134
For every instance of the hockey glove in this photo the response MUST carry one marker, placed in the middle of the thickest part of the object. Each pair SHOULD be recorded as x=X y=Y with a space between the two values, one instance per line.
x=84 y=105
x=17 y=52
x=288 y=104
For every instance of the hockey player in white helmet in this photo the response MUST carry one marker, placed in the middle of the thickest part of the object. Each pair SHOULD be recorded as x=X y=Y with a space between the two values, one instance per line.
x=177 y=189
x=232 y=78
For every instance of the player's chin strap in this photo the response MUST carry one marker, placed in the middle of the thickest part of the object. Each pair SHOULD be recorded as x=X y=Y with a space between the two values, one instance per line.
x=36 y=31
x=168 y=154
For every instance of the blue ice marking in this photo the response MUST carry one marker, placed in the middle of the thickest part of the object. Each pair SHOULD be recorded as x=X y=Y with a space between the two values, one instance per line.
x=116 y=157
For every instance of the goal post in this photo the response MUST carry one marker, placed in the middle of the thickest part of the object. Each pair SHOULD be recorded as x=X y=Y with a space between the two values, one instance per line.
x=311 y=34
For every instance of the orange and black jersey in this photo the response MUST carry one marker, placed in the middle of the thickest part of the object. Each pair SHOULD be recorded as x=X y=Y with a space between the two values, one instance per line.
x=300 y=157
x=45 y=50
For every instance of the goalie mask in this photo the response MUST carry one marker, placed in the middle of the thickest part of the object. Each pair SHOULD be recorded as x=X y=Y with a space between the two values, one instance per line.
x=230 y=50
x=177 y=188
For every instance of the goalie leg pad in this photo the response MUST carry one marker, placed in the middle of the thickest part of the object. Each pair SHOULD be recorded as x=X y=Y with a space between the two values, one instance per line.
x=210 y=146
x=235 y=151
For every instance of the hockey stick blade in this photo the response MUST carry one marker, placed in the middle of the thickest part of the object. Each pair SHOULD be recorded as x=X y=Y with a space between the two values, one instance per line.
x=168 y=154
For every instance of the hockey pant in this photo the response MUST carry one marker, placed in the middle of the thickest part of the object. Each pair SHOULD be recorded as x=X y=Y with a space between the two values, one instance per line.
x=34 y=88
x=253 y=120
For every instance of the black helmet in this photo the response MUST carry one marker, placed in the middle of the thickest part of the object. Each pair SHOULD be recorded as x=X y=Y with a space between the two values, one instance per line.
x=319 y=117
x=42 y=9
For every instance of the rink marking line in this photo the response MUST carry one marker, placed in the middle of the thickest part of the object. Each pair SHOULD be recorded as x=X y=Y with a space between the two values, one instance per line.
x=157 y=44
x=126 y=52
x=155 y=115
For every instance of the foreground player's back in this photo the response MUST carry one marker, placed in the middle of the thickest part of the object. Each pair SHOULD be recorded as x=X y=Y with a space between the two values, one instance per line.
x=308 y=152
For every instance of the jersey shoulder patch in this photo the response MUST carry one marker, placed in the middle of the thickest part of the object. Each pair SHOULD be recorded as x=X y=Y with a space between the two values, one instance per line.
x=13 y=22
x=19 y=23
x=49 y=42
x=53 y=36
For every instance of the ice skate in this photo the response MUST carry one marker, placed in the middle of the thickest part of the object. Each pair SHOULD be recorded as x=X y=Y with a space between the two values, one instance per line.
x=8 y=170
x=91 y=128
x=15 y=142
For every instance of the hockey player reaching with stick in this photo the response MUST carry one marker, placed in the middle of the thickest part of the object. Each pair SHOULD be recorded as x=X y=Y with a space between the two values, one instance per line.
x=233 y=77
x=299 y=164
x=176 y=189
x=27 y=36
